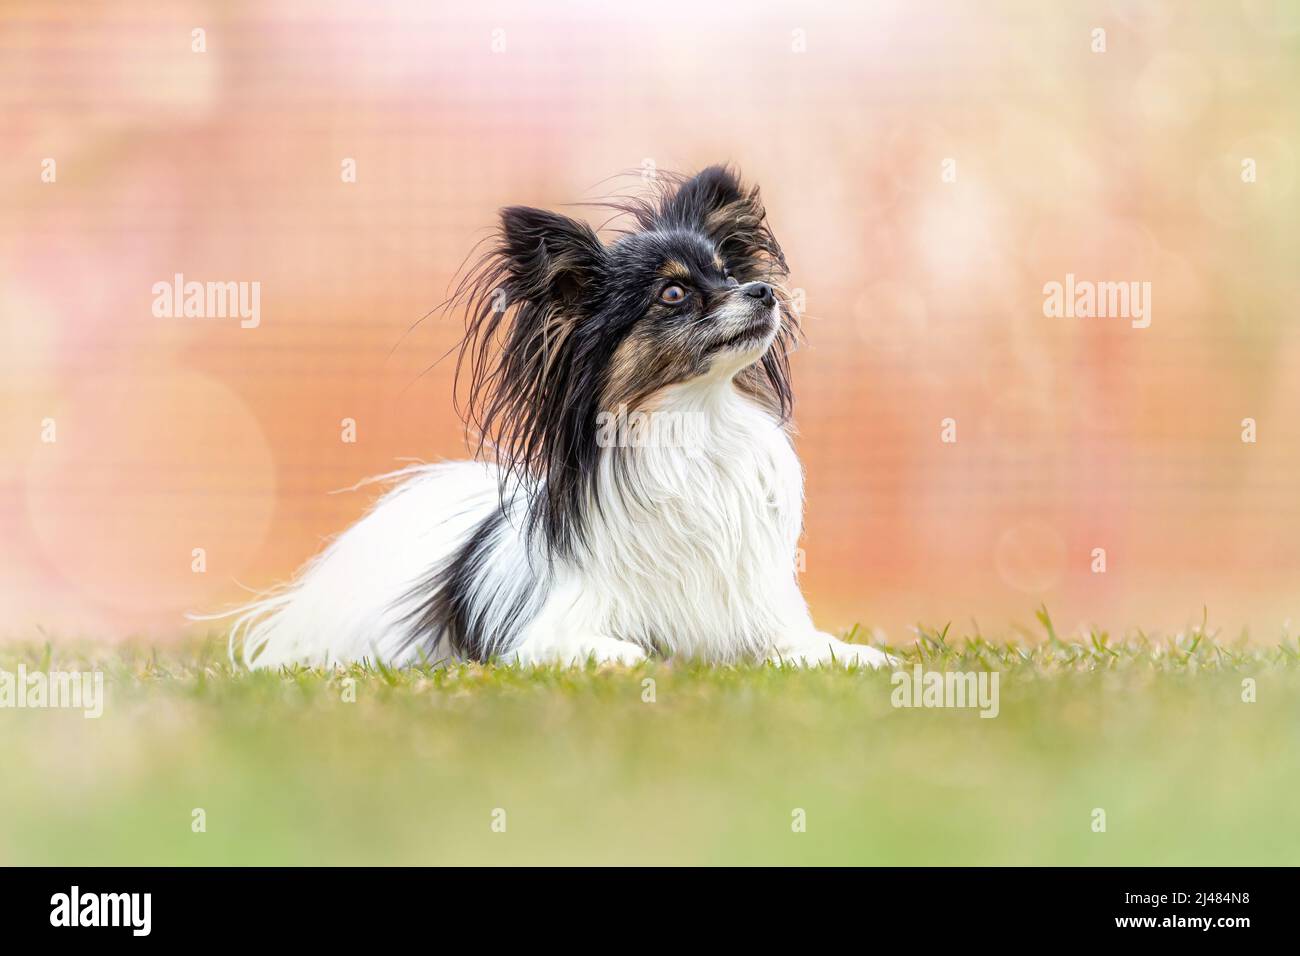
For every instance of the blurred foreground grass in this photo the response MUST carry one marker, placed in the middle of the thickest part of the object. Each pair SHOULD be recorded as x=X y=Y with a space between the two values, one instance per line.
x=1153 y=731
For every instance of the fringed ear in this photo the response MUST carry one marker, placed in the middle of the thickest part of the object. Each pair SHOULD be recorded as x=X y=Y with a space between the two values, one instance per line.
x=715 y=202
x=551 y=257
x=529 y=386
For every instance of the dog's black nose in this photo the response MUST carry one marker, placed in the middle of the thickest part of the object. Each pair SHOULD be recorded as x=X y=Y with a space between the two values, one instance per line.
x=761 y=291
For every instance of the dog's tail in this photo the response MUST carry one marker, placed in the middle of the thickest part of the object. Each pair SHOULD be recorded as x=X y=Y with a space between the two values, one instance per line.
x=356 y=600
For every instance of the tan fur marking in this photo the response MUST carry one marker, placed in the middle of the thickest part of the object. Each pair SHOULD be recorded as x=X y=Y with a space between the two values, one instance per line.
x=639 y=367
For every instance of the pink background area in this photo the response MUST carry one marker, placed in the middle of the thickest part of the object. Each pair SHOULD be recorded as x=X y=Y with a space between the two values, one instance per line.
x=924 y=297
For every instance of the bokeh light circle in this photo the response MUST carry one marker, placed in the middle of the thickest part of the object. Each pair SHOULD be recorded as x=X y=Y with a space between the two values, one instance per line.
x=1030 y=557
x=147 y=466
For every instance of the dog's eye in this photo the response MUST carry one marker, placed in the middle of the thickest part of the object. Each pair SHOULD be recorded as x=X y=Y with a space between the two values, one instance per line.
x=731 y=280
x=673 y=295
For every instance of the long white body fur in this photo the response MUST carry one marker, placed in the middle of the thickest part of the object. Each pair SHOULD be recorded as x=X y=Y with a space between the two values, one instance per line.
x=698 y=560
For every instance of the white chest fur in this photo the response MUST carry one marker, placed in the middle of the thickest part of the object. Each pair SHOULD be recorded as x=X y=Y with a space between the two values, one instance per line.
x=692 y=549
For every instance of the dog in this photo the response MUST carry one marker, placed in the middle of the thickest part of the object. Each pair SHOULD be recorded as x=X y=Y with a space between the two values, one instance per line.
x=642 y=496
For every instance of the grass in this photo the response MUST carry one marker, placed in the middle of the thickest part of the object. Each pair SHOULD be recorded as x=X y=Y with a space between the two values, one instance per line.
x=1152 y=730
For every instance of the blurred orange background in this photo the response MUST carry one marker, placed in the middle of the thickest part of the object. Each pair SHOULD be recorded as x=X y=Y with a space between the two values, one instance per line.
x=924 y=291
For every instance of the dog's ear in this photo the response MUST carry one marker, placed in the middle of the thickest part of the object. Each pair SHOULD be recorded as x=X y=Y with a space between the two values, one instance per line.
x=550 y=258
x=718 y=204
x=701 y=201
x=525 y=302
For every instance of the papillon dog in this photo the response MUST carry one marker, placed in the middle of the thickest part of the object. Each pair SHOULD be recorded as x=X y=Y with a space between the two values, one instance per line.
x=671 y=535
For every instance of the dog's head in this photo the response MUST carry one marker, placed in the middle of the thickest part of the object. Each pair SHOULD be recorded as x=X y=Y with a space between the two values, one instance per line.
x=563 y=326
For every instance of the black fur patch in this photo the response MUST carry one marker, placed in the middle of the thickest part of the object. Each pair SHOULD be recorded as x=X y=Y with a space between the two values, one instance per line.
x=454 y=597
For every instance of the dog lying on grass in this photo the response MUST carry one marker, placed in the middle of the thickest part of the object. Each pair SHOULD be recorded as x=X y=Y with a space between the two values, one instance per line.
x=581 y=541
